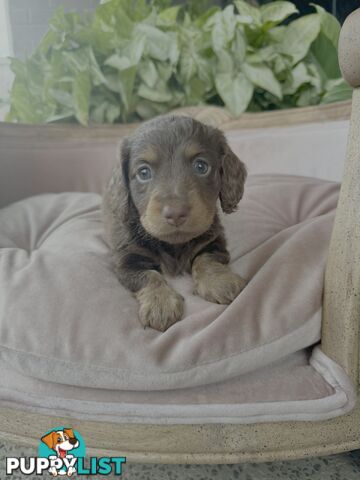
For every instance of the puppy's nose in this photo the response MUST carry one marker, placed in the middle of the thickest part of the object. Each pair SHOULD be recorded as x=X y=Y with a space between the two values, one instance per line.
x=73 y=441
x=175 y=215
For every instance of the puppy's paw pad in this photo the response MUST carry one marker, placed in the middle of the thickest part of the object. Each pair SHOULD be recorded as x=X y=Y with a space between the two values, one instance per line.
x=161 y=308
x=223 y=288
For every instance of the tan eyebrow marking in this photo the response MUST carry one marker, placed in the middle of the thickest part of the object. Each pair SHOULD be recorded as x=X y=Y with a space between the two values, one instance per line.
x=193 y=149
x=149 y=155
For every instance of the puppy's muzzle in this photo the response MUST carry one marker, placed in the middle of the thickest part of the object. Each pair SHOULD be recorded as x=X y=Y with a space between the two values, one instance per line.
x=175 y=214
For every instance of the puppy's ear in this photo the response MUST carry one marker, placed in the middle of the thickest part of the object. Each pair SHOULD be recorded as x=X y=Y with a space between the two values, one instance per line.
x=50 y=440
x=233 y=176
x=117 y=194
x=69 y=432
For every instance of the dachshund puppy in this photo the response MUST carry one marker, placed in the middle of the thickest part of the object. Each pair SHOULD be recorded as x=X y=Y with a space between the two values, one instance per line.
x=160 y=214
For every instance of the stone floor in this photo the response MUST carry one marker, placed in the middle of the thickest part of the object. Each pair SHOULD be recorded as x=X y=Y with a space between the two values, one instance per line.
x=335 y=467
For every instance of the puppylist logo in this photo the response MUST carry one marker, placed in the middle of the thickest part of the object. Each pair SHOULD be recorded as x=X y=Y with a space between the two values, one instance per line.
x=62 y=453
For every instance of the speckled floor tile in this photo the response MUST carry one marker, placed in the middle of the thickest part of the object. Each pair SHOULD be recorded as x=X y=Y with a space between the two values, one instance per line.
x=336 y=467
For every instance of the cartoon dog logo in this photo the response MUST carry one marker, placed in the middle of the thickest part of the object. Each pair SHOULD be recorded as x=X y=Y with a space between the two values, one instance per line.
x=62 y=442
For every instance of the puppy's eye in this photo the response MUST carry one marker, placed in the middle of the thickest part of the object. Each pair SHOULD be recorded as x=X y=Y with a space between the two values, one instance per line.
x=144 y=174
x=200 y=166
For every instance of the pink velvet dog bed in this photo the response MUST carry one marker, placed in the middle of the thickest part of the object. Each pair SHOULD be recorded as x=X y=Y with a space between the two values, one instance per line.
x=69 y=333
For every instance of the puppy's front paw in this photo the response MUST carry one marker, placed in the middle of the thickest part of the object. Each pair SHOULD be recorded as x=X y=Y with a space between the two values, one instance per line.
x=159 y=306
x=221 y=289
x=215 y=282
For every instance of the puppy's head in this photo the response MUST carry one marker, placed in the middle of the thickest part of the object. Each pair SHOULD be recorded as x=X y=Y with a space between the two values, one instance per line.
x=61 y=441
x=174 y=169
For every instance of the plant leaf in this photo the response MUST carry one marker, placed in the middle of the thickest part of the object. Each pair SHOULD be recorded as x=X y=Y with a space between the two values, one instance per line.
x=225 y=62
x=168 y=16
x=126 y=86
x=147 y=109
x=62 y=97
x=276 y=12
x=118 y=62
x=329 y=25
x=97 y=114
x=326 y=55
x=112 y=112
x=248 y=10
x=298 y=37
x=96 y=73
x=148 y=73
x=239 y=47
x=298 y=76
x=187 y=66
x=158 y=43
x=23 y=104
x=235 y=92
x=65 y=114
x=81 y=96
x=337 y=91
x=162 y=94
x=206 y=19
x=263 y=77
x=224 y=28
x=77 y=60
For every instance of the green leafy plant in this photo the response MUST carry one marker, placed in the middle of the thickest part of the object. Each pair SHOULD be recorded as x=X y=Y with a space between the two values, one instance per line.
x=130 y=61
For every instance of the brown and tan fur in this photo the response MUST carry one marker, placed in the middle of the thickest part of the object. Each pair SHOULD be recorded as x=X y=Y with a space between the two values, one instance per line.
x=142 y=217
